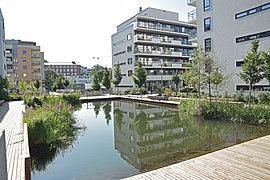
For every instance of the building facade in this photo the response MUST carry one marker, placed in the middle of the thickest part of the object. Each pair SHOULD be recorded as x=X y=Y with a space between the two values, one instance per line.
x=159 y=40
x=3 y=63
x=25 y=61
x=227 y=32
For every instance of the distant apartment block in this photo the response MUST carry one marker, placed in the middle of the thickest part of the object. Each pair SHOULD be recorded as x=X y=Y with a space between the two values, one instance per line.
x=25 y=61
x=65 y=68
x=227 y=30
x=3 y=65
x=159 y=40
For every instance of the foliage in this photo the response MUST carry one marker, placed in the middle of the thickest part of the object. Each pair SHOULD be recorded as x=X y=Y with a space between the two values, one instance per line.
x=137 y=91
x=96 y=83
x=235 y=112
x=74 y=86
x=97 y=70
x=266 y=65
x=106 y=79
x=188 y=106
x=73 y=99
x=14 y=97
x=97 y=106
x=238 y=96
x=22 y=86
x=50 y=77
x=251 y=69
x=37 y=85
x=168 y=92
x=218 y=79
x=264 y=98
x=140 y=123
x=118 y=116
x=117 y=75
x=176 y=79
x=66 y=83
x=94 y=93
x=139 y=75
x=3 y=88
x=58 y=83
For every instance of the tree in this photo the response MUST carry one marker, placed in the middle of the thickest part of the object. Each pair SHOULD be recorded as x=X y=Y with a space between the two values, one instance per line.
x=106 y=81
x=97 y=69
x=139 y=75
x=107 y=108
x=66 y=83
x=117 y=75
x=22 y=86
x=176 y=79
x=118 y=117
x=95 y=84
x=74 y=86
x=218 y=79
x=195 y=76
x=266 y=65
x=50 y=77
x=252 y=67
x=37 y=85
x=3 y=88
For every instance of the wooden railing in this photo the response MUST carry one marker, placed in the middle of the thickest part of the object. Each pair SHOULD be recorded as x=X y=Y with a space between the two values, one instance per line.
x=26 y=155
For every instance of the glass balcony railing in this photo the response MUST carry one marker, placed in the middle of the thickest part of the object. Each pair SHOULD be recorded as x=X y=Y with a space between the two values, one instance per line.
x=192 y=16
x=191 y=3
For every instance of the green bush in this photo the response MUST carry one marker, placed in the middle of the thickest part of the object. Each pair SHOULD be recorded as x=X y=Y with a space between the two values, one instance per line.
x=72 y=99
x=4 y=95
x=238 y=96
x=264 y=98
x=138 y=91
x=236 y=112
x=14 y=97
x=169 y=92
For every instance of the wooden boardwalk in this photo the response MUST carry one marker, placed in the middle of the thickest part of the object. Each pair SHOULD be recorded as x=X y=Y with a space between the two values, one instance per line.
x=249 y=160
x=13 y=126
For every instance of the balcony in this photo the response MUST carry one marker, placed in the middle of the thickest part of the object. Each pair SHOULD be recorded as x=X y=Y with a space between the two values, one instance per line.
x=160 y=41
x=36 y=77
x=192 y=17
x=35 y=55
x=36 y=63
x=191 y=3
x=36 y=70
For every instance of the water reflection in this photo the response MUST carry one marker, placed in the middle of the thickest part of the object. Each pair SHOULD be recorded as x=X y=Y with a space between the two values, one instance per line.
x=149 y=137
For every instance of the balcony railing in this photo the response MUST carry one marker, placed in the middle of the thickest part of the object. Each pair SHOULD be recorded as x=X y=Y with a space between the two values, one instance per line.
x=37 y=63
x=159 y=27
x=160 y=40
x=192 y=16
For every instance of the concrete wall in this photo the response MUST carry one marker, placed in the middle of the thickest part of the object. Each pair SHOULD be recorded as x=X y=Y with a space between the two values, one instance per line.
x=3 y=157
x=3 y=63
x=225 y=29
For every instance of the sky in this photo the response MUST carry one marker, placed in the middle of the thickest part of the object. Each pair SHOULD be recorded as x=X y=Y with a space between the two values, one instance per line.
x=76 y=30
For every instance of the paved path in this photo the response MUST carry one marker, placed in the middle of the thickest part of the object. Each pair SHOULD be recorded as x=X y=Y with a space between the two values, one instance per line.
x=249 y=160
x=13 y=126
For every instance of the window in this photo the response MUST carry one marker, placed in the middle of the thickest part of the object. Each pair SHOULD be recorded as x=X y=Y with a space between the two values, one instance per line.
x=24 y=75
x=129 y=36
x=129 y=60
x=23 y=59
x=206 y=5
x=129 y=48
x=23 y=51
x=239 y=63
x=207 y=24
x=252 y=11
x=24 y=67
x=253 y=36
x=129 y=72
x=207 y=44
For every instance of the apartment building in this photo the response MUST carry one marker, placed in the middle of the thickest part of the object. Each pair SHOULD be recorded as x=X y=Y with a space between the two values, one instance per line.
x=159 y=40
x=227 y=29
x=64 y=68
x=25 y=61
x=3 y=64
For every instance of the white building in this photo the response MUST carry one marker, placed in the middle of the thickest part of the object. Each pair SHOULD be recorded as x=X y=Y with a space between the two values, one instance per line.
x=3 y=63
x=159 y=40
x=227 y=28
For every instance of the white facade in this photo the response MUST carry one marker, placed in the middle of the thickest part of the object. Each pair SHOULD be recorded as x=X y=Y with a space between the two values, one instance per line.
x=3 y=63
x=159 y=40
x=229 y=27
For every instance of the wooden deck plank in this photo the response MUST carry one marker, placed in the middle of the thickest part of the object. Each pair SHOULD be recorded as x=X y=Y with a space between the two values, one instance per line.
x=249 y=160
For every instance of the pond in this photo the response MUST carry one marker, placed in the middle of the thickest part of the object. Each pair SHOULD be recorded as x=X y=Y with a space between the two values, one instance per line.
x=123 y=138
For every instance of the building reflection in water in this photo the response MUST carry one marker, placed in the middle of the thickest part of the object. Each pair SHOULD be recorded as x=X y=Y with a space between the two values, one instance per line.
x=149 y=137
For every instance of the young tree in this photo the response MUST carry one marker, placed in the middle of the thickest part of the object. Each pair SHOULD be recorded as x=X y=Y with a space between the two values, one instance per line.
x=22 y=86
x=117 y=75
x=97 y=69
x=196 y=76
x=266 y=65
x=106 y=81
x=66 y=83
x=176 y=79
x=37 y=85
x=74 y=86
x=139 y=76
x=218 y=79
x=95 y=84
x=252 y=68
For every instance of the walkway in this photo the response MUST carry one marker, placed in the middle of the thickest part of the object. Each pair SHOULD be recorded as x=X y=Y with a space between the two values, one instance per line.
x=13 y=126
x=249 y=160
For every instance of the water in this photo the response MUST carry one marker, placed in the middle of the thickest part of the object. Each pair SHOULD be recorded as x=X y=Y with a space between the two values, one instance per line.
x=124 y=138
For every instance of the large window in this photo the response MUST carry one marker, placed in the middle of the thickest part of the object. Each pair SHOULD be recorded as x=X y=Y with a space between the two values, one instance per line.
x=207 y=44
x=23 y=51
x=23 y=59
x=207 y=24
x=253 y=36
x=129 y=48
x=129 y=60
x=206 y=5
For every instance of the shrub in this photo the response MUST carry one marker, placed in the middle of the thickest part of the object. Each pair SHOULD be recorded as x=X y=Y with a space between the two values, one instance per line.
x=168 y=92
x=72 y=99
x=264 y=98
x=238 y=96
x=14 y=97
x=138 y=91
